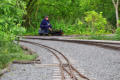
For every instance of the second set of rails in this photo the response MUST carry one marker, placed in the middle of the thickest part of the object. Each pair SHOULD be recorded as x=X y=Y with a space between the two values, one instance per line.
x=64 y=64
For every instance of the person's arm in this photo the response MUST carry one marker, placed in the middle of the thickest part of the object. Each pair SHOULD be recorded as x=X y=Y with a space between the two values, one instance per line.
x=50 y=27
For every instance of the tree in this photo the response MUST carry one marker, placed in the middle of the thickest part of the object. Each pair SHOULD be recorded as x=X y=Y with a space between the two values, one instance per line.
x=116 y=5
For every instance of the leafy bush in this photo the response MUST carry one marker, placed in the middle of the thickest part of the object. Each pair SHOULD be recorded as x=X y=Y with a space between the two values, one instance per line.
x=117 y=34
x=6 y=36
x=11 y=13
x=68 y=28
x=95 y=21
x=92 y=23
x=18 y=30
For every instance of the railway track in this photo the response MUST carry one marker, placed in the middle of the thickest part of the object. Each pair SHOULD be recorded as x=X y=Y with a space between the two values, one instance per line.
x=64 y=64
x=115 y=45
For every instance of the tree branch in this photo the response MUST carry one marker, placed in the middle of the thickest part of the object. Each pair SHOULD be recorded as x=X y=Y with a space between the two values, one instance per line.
x=117 y=2
x=113 y=1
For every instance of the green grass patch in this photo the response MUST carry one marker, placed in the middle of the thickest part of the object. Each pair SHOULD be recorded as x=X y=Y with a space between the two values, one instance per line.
x=98 y=37
x=10 y=52
x=101 y=37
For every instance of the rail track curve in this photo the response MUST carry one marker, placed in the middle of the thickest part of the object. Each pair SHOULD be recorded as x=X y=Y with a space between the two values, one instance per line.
x=65 y=67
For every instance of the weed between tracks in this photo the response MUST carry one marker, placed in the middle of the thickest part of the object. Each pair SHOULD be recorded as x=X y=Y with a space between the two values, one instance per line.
x=10 y=51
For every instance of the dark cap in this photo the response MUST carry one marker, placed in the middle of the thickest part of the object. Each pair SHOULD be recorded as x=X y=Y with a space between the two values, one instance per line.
x=46 y=16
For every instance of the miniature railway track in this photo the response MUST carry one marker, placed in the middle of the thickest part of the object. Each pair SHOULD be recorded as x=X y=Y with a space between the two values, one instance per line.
x=70 y=70
x=107 y=45
x=64 y=64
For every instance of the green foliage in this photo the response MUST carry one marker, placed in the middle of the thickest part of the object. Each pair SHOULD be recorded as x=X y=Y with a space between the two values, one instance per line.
x=68 y=15
x=6 y=36
x=97 y=37
x=64 y=14
x=95 y=21
x=11 y=13
x=66 y=9
x=101 y=37
x=69 y=29
x=18 y=30
x=117 y=34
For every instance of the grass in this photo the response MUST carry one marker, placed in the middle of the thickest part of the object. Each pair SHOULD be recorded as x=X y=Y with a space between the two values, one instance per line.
x=10 y=52
x=99 y=37
x=102 y=37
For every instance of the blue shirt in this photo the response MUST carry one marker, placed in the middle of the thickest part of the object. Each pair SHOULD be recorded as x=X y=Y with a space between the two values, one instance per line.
x=45 y=24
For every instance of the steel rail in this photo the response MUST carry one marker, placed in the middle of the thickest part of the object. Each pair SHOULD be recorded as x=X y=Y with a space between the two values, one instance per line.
x=107 y=45
x=70 y=66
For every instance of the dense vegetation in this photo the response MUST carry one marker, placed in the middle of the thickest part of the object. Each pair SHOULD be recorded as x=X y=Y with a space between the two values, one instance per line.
x=70 y=15
x=11 y=12
x=81 y=17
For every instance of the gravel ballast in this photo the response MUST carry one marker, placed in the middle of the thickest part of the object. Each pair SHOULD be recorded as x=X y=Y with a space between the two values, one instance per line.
x=32 y=71
x=94 y=62
x=28 y=72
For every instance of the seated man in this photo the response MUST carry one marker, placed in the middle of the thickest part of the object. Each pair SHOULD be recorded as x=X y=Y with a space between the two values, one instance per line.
x=45 y=26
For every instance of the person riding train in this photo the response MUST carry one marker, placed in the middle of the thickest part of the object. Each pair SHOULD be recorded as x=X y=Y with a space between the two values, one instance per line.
x=46 y=28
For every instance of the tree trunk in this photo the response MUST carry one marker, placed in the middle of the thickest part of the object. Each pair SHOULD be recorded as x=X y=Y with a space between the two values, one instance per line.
x=117 y=16
x=116 y=5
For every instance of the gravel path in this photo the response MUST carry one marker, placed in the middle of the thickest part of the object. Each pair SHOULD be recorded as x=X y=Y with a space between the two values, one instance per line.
x=32 y=71
x=42 y=53
x=94 y=62
x=28 y=72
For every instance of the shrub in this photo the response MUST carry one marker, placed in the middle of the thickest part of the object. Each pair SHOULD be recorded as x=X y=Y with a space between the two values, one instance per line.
x=95 y=21
x=11 y=12
x=117 y=34
x=18 y=30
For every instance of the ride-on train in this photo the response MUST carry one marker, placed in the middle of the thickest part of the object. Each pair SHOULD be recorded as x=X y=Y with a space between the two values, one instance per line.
x=53 y=33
